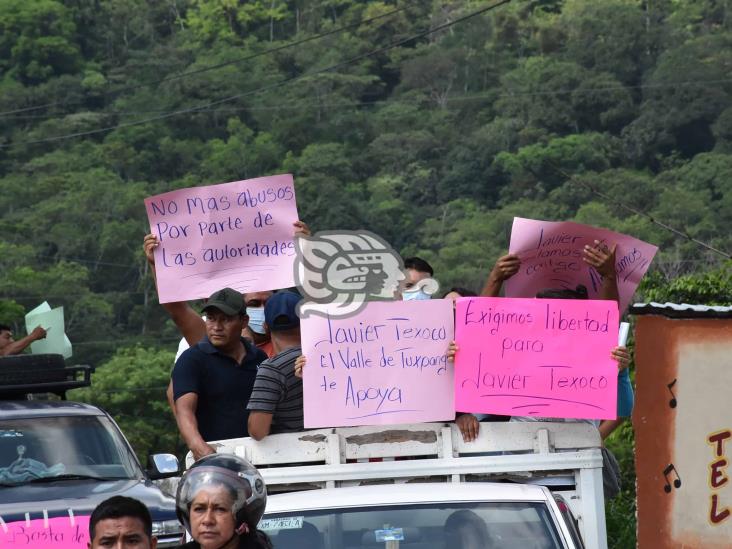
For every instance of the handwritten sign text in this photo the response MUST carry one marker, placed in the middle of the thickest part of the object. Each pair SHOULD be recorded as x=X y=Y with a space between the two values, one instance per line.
x=50 y=533
x=234 y=234
x=551 y=257
x=386 y=365
x=536 y=357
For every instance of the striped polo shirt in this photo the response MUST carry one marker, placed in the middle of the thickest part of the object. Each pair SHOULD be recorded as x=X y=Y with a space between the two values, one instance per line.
x=278 y=391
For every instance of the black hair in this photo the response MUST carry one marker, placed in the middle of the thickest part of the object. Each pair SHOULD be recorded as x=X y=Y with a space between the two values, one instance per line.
x=462 y=292
x=5 y=328
x=468 y=518
x=580 y=292
x=118 y=507
x=418 y=264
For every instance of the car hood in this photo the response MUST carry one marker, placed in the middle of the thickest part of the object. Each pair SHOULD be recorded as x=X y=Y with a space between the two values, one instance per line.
x=80 y=497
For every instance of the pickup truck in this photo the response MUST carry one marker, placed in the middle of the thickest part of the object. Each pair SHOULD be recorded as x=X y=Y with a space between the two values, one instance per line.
x=60 y=459
x=420 y=486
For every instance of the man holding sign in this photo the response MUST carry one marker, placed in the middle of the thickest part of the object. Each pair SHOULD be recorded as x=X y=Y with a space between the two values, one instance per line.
x=190 y=323
x=599 y=257
x=9 y=346
x=562 y=254
x=212 y=381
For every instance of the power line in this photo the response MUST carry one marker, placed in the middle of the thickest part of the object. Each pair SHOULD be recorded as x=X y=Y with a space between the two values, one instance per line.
x=623 y=205
x=459 y=98
x=275 y=85
x=217 y=66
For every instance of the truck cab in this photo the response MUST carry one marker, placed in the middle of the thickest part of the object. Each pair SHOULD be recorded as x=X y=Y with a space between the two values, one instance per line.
x=420 y=486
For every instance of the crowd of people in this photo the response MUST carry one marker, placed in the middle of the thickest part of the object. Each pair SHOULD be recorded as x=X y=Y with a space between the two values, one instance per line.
x=240 y=366
x=238 y=372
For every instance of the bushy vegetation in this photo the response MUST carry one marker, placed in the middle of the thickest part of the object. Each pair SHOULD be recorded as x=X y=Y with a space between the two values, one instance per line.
x=611 y=113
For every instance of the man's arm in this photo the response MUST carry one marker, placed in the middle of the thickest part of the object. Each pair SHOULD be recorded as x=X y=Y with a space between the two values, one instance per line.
x=607 y=426
x=259 y=424
x=185 y=416
x=267 y=393
x=17 y=347
x=602 y=259
x=189 y=322
x=506 y=266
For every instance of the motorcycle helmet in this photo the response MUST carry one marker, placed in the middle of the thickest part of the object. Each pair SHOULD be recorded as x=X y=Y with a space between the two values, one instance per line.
x=237 y=475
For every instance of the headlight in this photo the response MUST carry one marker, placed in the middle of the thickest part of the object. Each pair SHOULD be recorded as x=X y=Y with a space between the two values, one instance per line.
x=166 y=527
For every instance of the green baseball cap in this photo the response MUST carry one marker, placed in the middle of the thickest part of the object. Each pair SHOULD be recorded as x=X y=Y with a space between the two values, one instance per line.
x=228 y=301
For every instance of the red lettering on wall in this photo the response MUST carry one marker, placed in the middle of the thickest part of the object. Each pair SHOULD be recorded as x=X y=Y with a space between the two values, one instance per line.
x=717 y=477
x=718 y=440
x=717 y=516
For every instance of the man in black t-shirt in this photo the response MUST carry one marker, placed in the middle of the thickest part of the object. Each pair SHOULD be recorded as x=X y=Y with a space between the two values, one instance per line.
x=212 y=381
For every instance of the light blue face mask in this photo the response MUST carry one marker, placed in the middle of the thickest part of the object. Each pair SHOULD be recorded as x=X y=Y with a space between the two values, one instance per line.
x=256 y=319
x=418 y=295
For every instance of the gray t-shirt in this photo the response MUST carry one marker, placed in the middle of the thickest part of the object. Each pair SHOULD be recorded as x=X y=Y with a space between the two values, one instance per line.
x=278 y=391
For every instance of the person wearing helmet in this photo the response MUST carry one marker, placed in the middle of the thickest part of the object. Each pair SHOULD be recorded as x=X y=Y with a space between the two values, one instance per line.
x=220 y=500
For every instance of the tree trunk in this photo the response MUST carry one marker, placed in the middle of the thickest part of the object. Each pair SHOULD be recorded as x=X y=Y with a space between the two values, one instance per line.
x=271 y=21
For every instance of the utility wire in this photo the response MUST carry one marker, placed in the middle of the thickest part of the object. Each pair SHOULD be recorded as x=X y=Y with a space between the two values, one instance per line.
x=623 y=205
x=275 y=85
x=217 y=66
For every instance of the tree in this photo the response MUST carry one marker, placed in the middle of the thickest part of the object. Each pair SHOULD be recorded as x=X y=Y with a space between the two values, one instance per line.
x=713 y=287
x=130 y=386
x=683 y=99
x=37 y=40
x=542 y=167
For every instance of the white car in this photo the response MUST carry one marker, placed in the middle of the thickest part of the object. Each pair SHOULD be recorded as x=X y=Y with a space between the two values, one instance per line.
x=422 y=486
x=421 y=516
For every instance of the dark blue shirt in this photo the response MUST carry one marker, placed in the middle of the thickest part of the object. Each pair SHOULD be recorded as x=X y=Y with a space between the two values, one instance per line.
x=223 y=387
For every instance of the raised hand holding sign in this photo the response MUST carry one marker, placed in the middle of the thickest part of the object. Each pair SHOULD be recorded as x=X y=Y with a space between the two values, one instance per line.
x=236 y=235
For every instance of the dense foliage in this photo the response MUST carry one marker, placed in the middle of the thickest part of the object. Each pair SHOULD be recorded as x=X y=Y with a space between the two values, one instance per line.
x=611 y=113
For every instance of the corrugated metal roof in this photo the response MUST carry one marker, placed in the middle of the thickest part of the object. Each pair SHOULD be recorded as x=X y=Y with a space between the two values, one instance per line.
x=681 y=310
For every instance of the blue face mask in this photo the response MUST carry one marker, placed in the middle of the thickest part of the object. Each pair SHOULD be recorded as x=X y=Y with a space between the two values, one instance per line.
x=256 y=319
x=419 y=295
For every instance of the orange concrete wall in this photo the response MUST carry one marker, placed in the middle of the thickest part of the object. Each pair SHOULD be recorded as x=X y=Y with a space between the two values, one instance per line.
x=682 y=416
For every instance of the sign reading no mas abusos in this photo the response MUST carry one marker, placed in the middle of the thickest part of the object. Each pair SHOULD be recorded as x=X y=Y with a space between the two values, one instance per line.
x=536 y=357
x=236 y=235
x=386 y=365
x=50 y=533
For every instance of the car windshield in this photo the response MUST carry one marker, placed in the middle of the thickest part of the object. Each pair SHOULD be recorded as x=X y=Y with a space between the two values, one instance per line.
x=423 y=526
x=40 y=449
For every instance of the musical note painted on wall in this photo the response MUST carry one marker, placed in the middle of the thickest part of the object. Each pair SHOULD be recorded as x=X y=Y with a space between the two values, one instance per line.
x=672 y=403
x=676 y=481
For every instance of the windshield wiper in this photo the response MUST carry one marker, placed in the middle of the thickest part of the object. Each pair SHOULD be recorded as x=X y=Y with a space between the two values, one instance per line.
x=71 y=477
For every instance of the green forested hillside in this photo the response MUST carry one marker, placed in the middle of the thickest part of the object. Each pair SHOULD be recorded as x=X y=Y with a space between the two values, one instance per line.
x=435 y=142
x=406 y=118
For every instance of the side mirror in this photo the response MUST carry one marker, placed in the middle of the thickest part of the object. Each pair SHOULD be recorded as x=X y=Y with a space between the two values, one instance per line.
x=162 y=466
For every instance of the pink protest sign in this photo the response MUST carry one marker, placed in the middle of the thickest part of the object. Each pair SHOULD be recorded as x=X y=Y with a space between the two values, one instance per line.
x=551 y=257
x=536 y=357
x=236 y=235
x=385 y=365
x=50 y=533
